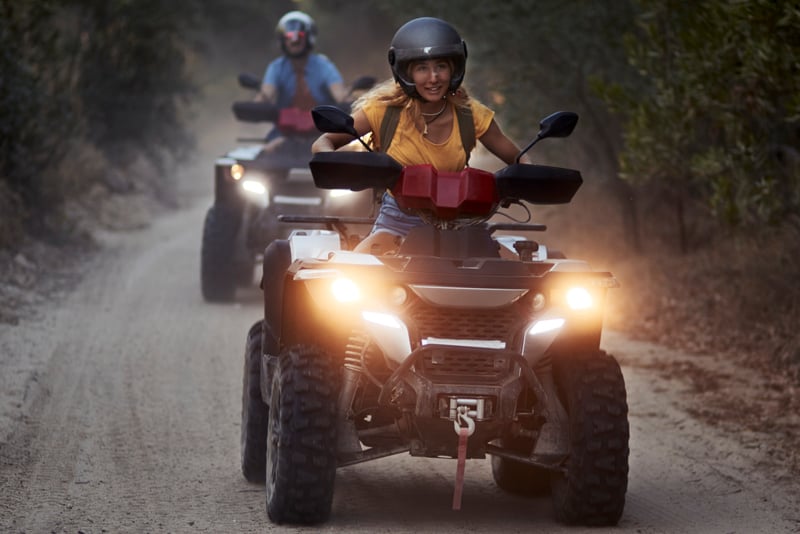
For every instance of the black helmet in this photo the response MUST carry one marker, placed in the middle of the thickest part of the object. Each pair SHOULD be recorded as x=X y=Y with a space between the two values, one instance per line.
x=296 y=21
x=426 y=38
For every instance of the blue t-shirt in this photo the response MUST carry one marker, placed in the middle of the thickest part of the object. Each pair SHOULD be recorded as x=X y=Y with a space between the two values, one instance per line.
x=320 y=72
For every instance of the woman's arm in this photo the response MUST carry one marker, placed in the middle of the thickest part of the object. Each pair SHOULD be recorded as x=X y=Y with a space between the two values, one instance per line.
x=500 y=145
x=329 y=142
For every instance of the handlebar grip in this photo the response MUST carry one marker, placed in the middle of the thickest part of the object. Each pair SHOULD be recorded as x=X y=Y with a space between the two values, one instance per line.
x=255 y=111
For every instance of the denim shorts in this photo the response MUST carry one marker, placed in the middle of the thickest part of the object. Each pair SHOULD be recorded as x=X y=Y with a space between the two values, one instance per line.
x=392 y=220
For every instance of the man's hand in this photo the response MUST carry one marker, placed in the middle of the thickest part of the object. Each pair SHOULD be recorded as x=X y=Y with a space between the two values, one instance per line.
x=267 y=93
x=339 y=92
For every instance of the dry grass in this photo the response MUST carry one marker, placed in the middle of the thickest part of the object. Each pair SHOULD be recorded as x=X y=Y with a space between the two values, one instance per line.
x=739 y=297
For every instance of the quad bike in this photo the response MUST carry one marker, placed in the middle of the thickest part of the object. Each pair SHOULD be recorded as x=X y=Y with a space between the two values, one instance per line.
x=457 y=345
x=253 y=184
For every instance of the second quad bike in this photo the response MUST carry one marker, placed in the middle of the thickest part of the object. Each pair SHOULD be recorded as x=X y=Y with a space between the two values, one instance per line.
x=255 y=183
x=459 y=345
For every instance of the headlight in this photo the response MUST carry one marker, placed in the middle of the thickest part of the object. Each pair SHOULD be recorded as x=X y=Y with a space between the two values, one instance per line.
x=252 y=186
x=578 y=298
x=546 y=325
x=398 y=296
x=538 y=302
x=345 y=290
x=237 y=171
x=383 y=319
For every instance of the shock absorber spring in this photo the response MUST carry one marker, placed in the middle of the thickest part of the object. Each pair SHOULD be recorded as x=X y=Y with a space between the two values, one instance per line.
x=347 y=439
x=354 y=350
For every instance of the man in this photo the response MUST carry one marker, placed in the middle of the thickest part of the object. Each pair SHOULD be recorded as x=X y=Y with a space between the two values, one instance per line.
x=300 y=78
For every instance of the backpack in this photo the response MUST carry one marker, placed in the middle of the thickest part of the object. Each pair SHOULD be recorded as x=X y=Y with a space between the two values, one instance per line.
x=466 y=127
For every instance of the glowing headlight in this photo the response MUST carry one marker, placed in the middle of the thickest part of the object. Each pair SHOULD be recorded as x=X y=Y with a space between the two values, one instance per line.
x=546 y=325
x=237 y=171
x=382 y=319
x=345 y=290
x=335 y=193
x=252 y=186
x=579 y=299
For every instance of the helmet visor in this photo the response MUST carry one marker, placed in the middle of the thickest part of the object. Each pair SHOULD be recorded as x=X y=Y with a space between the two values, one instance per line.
x=294 y=30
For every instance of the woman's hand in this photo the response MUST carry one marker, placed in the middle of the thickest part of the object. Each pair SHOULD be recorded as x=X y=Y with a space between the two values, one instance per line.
x=322 y=144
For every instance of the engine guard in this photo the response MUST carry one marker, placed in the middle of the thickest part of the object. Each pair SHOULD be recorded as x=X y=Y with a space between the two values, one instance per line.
x=435 y=380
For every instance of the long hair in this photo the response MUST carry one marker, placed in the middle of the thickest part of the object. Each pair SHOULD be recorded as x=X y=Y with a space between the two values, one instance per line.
x=389 y=93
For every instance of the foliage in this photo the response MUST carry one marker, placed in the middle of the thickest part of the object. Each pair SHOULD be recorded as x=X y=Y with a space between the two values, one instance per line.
x=719 y=119
x=131 y=77
x=109 y=73
x=34 y=119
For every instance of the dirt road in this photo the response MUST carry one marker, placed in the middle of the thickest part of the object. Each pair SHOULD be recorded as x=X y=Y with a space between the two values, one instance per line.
x=121 y=410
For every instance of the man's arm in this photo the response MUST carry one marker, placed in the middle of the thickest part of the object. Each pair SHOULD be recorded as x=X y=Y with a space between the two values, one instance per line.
x=339 y=92
x=268 y=93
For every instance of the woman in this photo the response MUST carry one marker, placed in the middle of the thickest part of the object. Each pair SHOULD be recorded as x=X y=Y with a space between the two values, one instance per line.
x=428 y=61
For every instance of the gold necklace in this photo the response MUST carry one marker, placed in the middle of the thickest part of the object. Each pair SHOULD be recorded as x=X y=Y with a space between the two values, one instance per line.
x=433 y=116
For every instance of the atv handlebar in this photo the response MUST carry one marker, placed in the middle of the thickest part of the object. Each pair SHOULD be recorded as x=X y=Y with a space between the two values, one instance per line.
x=536 y=184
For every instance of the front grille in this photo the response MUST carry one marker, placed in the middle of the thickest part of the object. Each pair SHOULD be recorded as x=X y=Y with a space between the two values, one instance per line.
x=451 y=323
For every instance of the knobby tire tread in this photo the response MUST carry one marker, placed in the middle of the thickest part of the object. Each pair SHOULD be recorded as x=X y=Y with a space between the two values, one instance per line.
x=302 y=437
x=217 y=273
x=592 y=492
x=255 y=412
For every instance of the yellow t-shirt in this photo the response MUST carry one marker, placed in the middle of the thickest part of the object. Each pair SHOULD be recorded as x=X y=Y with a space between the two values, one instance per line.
x=410 y=147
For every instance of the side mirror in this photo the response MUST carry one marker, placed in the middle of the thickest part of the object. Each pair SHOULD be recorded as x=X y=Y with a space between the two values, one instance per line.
x=559 y=124
x=331 y=119
x=248 y=81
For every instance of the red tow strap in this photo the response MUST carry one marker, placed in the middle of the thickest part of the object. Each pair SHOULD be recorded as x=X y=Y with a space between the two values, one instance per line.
x=463 y=434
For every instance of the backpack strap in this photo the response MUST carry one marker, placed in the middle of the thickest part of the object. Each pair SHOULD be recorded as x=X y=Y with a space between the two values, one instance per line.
x=388 y=126
x=466 y=128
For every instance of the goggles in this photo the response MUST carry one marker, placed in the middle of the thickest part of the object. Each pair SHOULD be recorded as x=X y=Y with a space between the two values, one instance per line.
x=294 y=35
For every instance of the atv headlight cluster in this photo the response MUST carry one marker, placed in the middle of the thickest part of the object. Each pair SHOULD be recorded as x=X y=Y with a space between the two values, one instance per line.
x=561 y=303
x=336 y=290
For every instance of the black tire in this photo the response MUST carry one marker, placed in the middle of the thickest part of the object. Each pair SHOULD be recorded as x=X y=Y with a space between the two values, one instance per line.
x=255 y=413
x=245 y=273
x=217 y=273
x=592 y=491
x=301 y=437
x=517 y=477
